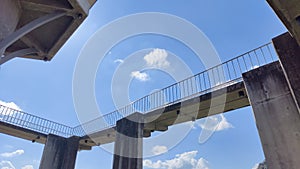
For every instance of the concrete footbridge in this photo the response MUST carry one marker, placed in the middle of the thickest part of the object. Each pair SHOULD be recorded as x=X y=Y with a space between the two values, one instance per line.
x=213 y=91
x=254 y=78
x=267 y=78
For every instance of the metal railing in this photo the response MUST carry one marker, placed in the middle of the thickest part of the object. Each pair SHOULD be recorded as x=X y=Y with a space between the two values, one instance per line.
x=34 y=123
x=212 y=79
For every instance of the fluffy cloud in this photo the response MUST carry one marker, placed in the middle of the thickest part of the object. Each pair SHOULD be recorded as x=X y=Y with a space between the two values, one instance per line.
x=118 y=61
x=215 y=123
x=12 y=154
x=10 y=105
x=6 y=165
x=156 y=150
x=28 y=167
x=255 y=166
x=185 y=160
x=9 y=165
x=8 y=112
x=140 y=76
x=157 y=58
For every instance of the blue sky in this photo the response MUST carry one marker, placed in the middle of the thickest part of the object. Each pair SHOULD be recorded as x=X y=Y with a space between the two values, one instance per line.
x=45 y=88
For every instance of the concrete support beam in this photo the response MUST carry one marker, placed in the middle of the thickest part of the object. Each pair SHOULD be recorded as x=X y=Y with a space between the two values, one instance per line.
x=276 y=114
x=9 y=17
x=128 y=152
x=289 y=56
x=289 y=13
x=59 y=153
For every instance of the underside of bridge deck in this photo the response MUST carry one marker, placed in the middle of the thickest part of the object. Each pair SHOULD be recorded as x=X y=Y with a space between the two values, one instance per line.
x=37 y=29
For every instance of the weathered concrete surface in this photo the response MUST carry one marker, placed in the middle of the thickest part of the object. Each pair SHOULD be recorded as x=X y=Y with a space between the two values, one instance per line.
x=184 y=111
x=289 y=56
x=59 y=153
x=9 y=17
x=46 y=39
x=23 y=133
x=128 y=152
x=289 y=13
x=276 y=114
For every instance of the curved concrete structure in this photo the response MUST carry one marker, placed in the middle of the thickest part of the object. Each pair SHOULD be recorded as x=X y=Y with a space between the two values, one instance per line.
x=33 y=24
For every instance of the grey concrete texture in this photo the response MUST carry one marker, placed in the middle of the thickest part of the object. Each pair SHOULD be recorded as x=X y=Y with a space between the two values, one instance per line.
x=9 y=17
x=289 y=56
x=289 y=13
x=128 y=152
x=59 y=153
x=276 y=114
x=47 y=38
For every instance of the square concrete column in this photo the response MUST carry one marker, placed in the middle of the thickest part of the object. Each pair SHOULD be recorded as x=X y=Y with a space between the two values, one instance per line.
x=59 y=152
x=128 y=153
x=289 y=13
x=276 y=114
x=288 y=52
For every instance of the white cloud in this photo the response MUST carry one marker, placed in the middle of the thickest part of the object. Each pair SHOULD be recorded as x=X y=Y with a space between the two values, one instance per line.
x=185 y=160
x=140 y=76
x=215 y=123
x=6 y=165
x=27 y=167
x=255 y=166
x=11 y=105
x=157 y=58
x=118 y=61
x=202 y=164
x=12 y=154
x=156 y=150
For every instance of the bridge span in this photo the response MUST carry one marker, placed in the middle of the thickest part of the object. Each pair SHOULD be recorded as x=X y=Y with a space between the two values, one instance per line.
x=213 y=91
x=271 y=88
x=255 y=78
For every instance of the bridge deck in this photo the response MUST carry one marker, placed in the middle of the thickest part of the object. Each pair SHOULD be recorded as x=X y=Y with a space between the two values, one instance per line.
x=228 y=98
x=216 y=90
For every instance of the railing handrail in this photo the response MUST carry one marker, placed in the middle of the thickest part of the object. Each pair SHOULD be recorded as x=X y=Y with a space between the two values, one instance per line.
x=192 y=86
x=182 y=81
x=9 y=111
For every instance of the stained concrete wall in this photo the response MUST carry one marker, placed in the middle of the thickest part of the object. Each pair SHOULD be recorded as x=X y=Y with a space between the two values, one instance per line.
x=59 y=153
x=276 y=114
x=289 y=56
x=289 y=13
x=9 y=17
x=129 y=143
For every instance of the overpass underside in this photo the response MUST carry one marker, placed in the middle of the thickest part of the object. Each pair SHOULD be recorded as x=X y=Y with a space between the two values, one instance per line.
x=37 y=29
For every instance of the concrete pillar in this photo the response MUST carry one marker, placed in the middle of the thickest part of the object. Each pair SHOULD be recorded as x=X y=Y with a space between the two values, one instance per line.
x=59 y=152
x=289 y=55
x=9 y=17
x=128 y=152
x=276 y=114
x=289 y=13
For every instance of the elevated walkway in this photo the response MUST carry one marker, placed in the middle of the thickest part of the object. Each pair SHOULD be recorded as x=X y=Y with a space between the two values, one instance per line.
x=213 y=91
